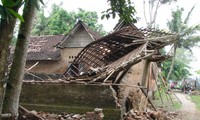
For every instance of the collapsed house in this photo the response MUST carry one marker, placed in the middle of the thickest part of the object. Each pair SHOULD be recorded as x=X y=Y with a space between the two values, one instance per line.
x=117 y=71
x=125 y=59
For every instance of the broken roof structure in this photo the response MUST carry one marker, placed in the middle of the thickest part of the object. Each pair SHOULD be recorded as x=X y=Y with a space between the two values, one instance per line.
x=119 y=51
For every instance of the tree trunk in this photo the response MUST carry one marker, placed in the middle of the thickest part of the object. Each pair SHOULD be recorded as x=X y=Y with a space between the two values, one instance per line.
x=172 y=64
x=6 y=33
x=14 y=85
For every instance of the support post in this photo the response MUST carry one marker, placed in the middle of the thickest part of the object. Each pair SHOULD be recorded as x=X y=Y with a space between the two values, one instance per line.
x=145 y=72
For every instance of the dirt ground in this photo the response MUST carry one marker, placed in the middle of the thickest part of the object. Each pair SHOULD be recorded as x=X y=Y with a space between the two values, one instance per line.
x=188 y=110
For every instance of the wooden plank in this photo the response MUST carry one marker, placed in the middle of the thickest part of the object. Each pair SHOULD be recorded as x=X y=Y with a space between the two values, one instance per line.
x=143 y=91
x=145 y=72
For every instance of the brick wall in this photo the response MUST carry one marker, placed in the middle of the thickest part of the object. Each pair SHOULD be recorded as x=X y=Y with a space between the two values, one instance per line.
x=62 y=97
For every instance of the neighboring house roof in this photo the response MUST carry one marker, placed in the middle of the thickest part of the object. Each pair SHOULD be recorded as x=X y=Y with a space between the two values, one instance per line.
x=122 y=24
x=44 y=47
x=67 y=41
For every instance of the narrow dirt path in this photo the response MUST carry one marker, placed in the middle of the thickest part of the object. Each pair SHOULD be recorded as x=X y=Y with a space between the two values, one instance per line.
x=188 y=110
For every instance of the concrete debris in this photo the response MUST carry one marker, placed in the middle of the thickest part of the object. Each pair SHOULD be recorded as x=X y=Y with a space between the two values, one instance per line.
x=97 y=114
x=150 y=115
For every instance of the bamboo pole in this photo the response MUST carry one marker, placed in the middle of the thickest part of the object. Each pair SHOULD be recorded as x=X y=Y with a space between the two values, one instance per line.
x=6 y=115
x=126 y=85
x=159 y=92
x=143 y=91
x=32 y=67
x=163 y=83
x=176 y=97
x=166 y=89
x=35 y=75
x=109 y=76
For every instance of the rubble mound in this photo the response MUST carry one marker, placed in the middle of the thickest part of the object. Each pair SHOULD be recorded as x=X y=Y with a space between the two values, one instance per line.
x=150 y=115
x=97 y=114
x=195 y=93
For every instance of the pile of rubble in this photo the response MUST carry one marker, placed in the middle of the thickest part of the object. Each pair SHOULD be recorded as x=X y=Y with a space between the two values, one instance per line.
x=195 y=92
x=151 y=115
x=97 y=114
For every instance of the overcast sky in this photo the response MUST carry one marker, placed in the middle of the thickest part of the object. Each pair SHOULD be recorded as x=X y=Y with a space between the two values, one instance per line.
x=164 y=14
x=102 y=5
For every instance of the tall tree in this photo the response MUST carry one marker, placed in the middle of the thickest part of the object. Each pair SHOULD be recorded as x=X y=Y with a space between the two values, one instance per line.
x=125 y=9
x=8 y=9
x=188 y=37
x=150 y=8
x=91 y=19
x=40 y=24
x=61 y=22
x=14 y=83
x=181 y=65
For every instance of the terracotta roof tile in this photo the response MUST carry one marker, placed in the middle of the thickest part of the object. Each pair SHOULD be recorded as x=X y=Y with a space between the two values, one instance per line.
x=44 y=47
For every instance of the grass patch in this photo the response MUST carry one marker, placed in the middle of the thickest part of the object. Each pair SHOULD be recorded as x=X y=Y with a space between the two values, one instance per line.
x=177 y=105
x=167 y=101
x=196 y=99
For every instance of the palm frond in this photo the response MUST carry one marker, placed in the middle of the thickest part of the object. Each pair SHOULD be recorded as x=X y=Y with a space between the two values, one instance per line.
x=194 y=39
x=191 y=30
x=188 y=15
x=190 y=42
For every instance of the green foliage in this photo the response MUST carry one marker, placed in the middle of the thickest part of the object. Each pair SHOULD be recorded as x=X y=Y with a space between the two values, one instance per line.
x=8 y=11
x=196 y=99
x=162 y=95
x=40 y=24
x=187 y=33
x=8 y=8
x=181 y=65
x=198 y=72
x=61 y=22
x=167 y=1
x=11 y=3
x=180 y=70
x=91 y=19
x=16 y=14
x=123 y=8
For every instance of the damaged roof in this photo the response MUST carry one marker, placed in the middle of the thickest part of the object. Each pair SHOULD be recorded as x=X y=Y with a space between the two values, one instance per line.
x=118 y=50
x=44 y=47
